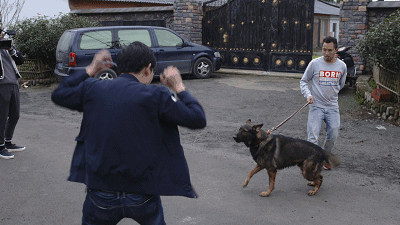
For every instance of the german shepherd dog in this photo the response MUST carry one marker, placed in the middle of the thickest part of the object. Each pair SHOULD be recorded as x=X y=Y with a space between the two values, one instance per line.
x=274 y=152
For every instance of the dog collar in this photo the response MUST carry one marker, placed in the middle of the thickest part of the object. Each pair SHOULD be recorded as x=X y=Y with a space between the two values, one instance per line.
x=259 y=142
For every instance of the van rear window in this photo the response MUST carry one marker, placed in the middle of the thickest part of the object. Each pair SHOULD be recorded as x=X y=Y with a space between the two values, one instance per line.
x=92 y=40
x=65 y=41
x=126 y=37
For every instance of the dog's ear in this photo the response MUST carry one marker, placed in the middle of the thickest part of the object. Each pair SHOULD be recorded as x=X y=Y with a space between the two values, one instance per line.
x=257 y=127
x=248 y=121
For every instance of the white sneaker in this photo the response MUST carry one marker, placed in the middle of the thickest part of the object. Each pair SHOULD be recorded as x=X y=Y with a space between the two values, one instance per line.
x=4 y=154
x=14 y=148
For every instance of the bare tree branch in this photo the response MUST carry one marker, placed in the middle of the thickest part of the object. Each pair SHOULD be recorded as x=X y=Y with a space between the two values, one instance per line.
x=10 y=11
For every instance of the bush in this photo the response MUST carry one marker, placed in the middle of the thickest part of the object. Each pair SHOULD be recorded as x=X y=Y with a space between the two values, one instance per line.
x=37 y=37
x=381 y=43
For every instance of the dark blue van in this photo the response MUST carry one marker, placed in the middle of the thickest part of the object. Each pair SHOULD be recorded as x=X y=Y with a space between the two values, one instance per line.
x=77 y=47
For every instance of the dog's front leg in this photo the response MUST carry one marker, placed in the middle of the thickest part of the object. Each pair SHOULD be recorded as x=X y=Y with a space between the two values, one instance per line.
x=272 y=176
x=318 y=183
x=255 y=170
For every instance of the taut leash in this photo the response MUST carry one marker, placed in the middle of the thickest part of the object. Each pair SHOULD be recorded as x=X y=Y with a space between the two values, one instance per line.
x=274 y=128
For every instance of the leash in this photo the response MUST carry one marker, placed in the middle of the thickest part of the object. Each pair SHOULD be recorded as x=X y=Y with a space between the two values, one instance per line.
x=274 y=128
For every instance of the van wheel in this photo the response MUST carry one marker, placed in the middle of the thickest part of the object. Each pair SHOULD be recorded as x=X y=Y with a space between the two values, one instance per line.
x=202 y=68
x=107 y=74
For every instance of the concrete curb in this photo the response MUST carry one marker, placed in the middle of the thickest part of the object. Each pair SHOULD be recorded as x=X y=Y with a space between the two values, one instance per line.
x=258 y=73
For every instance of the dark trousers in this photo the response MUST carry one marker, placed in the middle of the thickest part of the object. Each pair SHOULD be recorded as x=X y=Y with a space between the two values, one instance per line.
x=9 y=111
x=109 y=207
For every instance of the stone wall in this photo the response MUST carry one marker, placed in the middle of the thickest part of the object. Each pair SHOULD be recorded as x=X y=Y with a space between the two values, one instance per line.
x=134 y=16
x=353 y=26
x=377 y=15
x=188 y=16
x=356 y=17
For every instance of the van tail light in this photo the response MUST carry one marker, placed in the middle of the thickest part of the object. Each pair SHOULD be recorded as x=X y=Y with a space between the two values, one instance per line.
x=72 y=59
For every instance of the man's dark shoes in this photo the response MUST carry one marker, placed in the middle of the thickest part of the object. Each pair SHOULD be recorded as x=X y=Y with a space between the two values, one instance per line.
x=4 y=154
x=14 y=148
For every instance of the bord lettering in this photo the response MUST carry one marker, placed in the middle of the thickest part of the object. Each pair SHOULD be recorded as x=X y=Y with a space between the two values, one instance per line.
x=329 y=74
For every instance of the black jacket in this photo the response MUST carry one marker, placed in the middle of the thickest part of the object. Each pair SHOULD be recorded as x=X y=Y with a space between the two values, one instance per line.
x=129 y=139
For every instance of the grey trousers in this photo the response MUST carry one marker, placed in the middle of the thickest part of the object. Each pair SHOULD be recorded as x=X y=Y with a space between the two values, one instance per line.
x=9 y=111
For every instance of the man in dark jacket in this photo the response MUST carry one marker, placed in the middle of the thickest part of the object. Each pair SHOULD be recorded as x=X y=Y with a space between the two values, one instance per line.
x=9 y=100
x=128 y=151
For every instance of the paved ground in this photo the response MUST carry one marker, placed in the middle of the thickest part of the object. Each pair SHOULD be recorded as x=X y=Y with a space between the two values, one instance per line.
x=365 y=189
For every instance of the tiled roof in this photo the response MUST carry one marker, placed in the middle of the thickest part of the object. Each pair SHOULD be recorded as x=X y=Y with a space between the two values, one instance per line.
x=123 y=10
x=148 y=1
x=144 y=1
x=320 y=7
x=387 y=4
x=326 y=8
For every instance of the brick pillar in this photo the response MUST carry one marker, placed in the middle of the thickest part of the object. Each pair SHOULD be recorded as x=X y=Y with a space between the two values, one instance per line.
x=353 y=26
x=188 y=15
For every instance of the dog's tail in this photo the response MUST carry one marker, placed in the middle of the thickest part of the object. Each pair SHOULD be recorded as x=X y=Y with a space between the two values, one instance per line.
x=332 y=158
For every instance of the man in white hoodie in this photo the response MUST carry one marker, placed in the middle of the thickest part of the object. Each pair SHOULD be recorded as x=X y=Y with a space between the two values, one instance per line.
x=323 y=79
x=9 y=99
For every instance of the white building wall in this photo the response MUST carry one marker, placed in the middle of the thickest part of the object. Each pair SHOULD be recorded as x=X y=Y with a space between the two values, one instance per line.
x=334 y=27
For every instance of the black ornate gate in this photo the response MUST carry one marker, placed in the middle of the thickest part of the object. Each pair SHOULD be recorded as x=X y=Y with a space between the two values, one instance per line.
x=272 y=35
